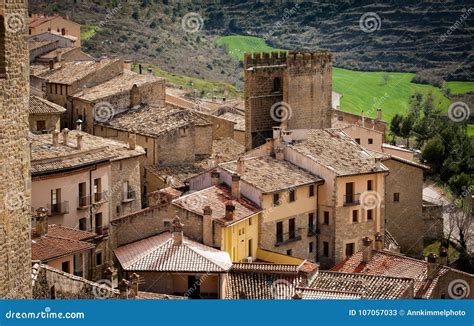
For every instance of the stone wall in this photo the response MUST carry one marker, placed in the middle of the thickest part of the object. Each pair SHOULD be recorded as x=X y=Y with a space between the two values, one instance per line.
x=51 y=121
x=433 y=221
x=15 y=246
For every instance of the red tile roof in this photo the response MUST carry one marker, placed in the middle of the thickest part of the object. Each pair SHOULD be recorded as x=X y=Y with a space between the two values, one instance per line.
x=387 y=263
x=159 y=253
x=69 y=233
x=48 y=248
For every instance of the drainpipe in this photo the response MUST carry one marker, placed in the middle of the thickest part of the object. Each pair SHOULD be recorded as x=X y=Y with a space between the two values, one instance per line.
x=90 y=214
x=317 y=222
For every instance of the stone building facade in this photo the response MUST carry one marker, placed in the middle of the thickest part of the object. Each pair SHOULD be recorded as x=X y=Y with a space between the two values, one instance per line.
x=15 y=245
x=294 y=88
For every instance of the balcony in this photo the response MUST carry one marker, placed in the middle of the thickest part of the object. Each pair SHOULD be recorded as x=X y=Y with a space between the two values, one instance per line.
x=129 y=196
x=312 y=230
x=352 y=199
x=100 y=196
x=288 y=237
x=83 y=202
x=58 y=208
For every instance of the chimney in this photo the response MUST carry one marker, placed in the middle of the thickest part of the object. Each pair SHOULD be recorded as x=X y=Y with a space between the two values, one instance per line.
x=432 y=266
x=207 y=238
x=58 y=55
x=55 y=138
x=240 y=166
x=443 y=256
x=65 y=136
x=51 y=64
x=79 y=141
x=140 y=68
x=63 y=31
x=363 y=118
x=41 y=222
x=218 y=158
x=235 y=189
x=378 y=115
x=177 y=231
x=127 y=65
x=79 y=124
x=132 y=140
x=229 y=210
x=269 y=145
x=307 y=272
x=280 y=153
x=366 y=250
x=149 y=74
x=215 y=178
x=134 y=280
x=378 y=241
x=124 y=288
x=276 y=132
x=287 y=137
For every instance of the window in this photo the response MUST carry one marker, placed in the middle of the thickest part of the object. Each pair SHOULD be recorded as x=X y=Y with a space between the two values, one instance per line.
x=146 y=150
x=55 y=200
x=291 y=228
x=326 y=218
x=396 y=196
x=369 y=185
x=250 y=248
x=52 y=292
x=311 y=245
x=61 y=89
x=350 y=249
x=279 y=232
x=289 y=252
x=311 y=221
x=276 y=199
x=349 y=193
x=291 y=195
x=83 y=224
x=357 y=140
x=370 y=141
x=250 y=221
x=56 y=88
x=355 y=216
x=276 y=84
x=311 y=191
x=370 y=214
x=82 y=194
x=97 y=190
x=65 y=266
x=98 y=259
x=117 y=210
x=98 y=223
x=40 y=125
x=326 y=249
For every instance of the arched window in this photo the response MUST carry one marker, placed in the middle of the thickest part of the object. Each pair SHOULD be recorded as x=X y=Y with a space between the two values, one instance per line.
x=276 y=84
x=2 y=48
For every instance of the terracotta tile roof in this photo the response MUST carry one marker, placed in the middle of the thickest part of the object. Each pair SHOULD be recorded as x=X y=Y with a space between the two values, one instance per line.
x=265 y=268
x=69 y=233
x=216 y=197
x=320 y=294
x=335 y=150
x=38 y=20
x=47 y=158
x=158 y=253
x=270 y=175
x=237 y=118
x=42 y=106
x=33 y=44
x=63 y=51
x=386 y=263
x=120 y=83
x=371 y=286
x=50 y=247
x=153 y=120
x=386 y=156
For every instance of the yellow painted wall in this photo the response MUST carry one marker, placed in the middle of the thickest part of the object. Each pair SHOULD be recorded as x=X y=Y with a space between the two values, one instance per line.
x=276 y=258
x=57 y=263
x=235 y=238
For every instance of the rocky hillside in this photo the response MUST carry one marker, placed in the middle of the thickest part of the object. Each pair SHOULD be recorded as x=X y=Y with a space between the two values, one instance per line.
x=432 y=38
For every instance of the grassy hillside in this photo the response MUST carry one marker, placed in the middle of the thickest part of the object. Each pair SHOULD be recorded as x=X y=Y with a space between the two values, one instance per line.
x=361 y=90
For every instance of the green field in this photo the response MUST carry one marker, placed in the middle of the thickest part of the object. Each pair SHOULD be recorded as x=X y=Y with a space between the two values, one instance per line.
x=88 y=31
x=361 y=90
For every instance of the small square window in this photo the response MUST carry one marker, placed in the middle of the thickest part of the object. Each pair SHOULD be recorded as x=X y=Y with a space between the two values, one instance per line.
x=65 y=267
x=289 y=252
x=396 y=196
x=355 y=216
x=311 y=191
x=357 y=140
x=371 y=141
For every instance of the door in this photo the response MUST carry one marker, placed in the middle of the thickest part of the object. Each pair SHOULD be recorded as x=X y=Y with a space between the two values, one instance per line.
x=349 y=193
x=194 y=286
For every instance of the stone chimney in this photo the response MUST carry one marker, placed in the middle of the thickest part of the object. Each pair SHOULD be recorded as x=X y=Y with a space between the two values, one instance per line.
x=59 y=56
x=207 y=226
x=378 y=115
x=307 y=272
x=124 y=289
x=41 y=222
x=431 y=266
x=215 y=177
x=366 y=250
x=149 y=75
x=229 y=210
x=235 y=189
x=269 y=145
x=51 y=64
x=132 y=140
x=363 y=118
x=127 y=65
x=177 y=231
x=55 y=138
x=276 y=132
x=134 y=280
x=378 y=241
x=240 y=166
x=287 y=136
x=443 y=256
x=65 y=136
x=280 y=153
x=79 y=141
x=79 y=124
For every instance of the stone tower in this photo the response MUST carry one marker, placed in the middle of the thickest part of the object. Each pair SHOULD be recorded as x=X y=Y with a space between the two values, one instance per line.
x=15 y=219
x=292 y=90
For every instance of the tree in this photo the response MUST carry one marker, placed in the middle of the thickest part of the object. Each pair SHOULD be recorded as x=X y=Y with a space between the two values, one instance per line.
x=406 y=128
x=385 y=78
x=396 y=125
x=433 y=153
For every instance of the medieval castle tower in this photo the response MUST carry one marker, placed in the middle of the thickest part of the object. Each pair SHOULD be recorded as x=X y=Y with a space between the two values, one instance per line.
x=293 y=90
x=15 y=243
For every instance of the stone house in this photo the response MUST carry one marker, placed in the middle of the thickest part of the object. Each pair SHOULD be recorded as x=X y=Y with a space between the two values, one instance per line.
x=39 y=24
x=63 y=41
x=342 y=119
x=44 y=116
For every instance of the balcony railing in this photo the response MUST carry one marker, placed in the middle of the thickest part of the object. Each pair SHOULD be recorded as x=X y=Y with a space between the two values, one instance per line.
x=312 y=230
x=102 y=230
x=352 y=199
x=58 y=208
x=100 y=196
x=287 y=237
x=83 y=202
x=129 y=196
